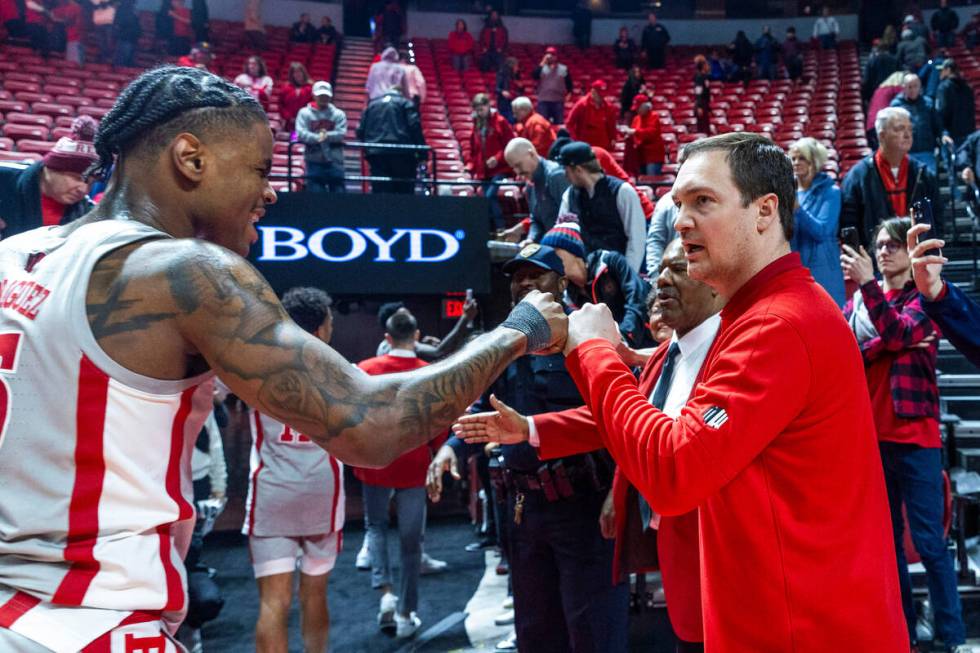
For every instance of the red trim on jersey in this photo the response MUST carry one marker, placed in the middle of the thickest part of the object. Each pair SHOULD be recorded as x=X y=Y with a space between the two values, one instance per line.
x=259 y=437
x=19 y=604
x=104 y=643
x=175 y=586
x=83 y=511
x=335 y=468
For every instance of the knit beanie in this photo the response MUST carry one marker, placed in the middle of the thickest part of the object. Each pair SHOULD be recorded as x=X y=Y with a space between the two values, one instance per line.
x=74 y=153
x=566 y=235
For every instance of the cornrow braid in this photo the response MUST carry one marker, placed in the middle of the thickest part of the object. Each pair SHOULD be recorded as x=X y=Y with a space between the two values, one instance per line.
x=165 y=101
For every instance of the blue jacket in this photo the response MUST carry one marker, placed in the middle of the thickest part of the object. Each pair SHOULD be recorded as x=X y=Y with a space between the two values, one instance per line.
x=815 y=234
x=958 y=317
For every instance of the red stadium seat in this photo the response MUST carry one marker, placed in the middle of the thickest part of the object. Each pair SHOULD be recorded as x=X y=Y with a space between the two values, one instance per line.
x=30 y=119
x=40 y=147
x=19 y=132
x=28 y=157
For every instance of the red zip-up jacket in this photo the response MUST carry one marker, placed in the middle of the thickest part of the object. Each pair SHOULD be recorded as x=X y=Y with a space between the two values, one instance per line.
x=596 y=125
x=777 y=450
x=499 y=133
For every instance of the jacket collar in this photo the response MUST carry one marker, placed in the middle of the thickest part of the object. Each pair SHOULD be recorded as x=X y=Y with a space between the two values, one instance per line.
x=757 y=286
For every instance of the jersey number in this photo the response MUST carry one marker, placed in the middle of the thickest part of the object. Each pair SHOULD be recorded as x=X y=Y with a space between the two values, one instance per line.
x=290 y=436
x=9 y=353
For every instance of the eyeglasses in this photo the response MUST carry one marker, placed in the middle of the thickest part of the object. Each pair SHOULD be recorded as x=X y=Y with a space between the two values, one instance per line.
x=889 y=246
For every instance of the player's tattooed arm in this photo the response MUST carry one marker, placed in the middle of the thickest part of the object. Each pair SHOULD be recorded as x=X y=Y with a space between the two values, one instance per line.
x=231 y=316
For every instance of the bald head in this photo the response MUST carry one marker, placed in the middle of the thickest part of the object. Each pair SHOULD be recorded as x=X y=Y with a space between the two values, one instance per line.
x=911 y=86
x=522 y=157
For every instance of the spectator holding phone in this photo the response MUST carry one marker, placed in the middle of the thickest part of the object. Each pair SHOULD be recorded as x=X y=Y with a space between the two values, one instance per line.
x=899 y=344
x=950 y=308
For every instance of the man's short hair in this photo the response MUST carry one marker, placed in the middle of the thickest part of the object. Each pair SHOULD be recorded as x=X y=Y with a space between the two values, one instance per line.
x=387 y=310
x=592 y=167
x=401 y=326
x=307 y=307
x=758 y=167
x=888 y=114
x=522 y=102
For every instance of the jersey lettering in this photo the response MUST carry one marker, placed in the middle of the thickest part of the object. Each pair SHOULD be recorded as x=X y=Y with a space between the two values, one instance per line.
x=290 y=436
x=23 y=296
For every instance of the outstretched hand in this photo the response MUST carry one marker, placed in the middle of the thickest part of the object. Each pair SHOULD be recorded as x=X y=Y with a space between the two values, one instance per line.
x=503 y=425
x=444 y=461
x=926 y=268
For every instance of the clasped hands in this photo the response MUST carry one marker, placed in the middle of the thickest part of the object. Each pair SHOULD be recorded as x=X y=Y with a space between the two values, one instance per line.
x=569 y=331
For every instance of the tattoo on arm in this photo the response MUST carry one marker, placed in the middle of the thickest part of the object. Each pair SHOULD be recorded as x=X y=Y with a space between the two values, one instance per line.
x=237 y=322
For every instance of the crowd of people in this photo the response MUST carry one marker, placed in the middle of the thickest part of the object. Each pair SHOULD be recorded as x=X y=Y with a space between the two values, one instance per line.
x=658 y=421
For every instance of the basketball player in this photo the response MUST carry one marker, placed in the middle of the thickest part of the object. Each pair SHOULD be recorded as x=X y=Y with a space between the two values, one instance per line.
x=294 y=510
x=111 y=328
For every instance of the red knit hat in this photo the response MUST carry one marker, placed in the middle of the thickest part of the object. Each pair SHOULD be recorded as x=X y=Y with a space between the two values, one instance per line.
x=74 y=153
x=638 y=100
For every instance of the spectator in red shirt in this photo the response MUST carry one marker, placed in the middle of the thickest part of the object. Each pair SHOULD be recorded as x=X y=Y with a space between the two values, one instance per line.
x=296 y=94
x=533 y=126
x=461 y=46
x=199 y=57
x=899 y=344
x=180 y=42
x=69 y=15
x=405 y=479
x=491 y=133
x=592 y=119
x=646 y=135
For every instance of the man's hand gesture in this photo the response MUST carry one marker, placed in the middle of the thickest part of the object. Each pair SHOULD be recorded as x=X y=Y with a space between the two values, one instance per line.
x=444 y=461
x=926 y=268
x=503 y=425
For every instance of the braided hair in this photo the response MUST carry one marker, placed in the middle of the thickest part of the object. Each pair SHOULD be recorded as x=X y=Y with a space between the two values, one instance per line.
x=165 y=101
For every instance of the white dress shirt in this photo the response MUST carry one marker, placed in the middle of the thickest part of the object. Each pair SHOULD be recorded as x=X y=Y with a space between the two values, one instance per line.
x=694 y=346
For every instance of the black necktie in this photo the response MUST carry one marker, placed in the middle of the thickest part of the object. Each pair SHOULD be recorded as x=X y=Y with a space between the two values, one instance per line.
x=659 y=399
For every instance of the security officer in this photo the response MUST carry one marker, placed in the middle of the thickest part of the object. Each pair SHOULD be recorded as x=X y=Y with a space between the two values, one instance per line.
x=560 y=562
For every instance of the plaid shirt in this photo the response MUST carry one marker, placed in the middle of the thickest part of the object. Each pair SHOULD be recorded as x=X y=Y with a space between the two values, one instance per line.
x=901 y=324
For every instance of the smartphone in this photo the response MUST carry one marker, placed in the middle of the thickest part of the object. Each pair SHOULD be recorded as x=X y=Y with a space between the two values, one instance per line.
x=921 y=213
x=849 y=237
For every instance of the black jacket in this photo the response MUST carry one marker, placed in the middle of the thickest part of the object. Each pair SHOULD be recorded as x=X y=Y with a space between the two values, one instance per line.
x=944 y=20
x=613 y=282
x=968 y=154
x=879 y=67
x=955 y=103
x=20 y=199
x=865 y=205
x=390 y=118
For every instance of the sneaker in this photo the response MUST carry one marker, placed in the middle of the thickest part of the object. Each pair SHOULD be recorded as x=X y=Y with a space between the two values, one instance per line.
x=363 y=560
x=386 y=611
x=509 y=644
x=962 y=648
x=406 y=626
x=482 y=543
x=503 y=568
x=923 y=630
x=431 y=565
x=505 y=618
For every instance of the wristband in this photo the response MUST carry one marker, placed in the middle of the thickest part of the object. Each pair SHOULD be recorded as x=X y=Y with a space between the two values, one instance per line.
x=529 y=321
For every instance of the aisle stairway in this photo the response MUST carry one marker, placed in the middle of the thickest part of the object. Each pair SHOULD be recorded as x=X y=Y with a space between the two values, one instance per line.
x=351 y=97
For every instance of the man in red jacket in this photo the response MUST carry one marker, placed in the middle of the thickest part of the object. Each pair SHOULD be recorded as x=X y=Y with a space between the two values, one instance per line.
x=690 y=308
x=592 y=119
x=776 y=447
x=405 y=479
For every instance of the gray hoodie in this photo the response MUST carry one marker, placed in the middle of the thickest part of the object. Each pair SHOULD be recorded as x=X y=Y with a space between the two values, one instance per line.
x=310 y=121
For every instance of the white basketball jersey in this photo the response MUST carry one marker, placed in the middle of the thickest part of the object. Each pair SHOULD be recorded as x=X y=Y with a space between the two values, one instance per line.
x=295 y=487
x=95 y=484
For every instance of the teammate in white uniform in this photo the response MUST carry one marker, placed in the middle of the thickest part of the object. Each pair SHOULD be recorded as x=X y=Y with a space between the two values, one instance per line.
x=109 y=329
x=295 y=509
